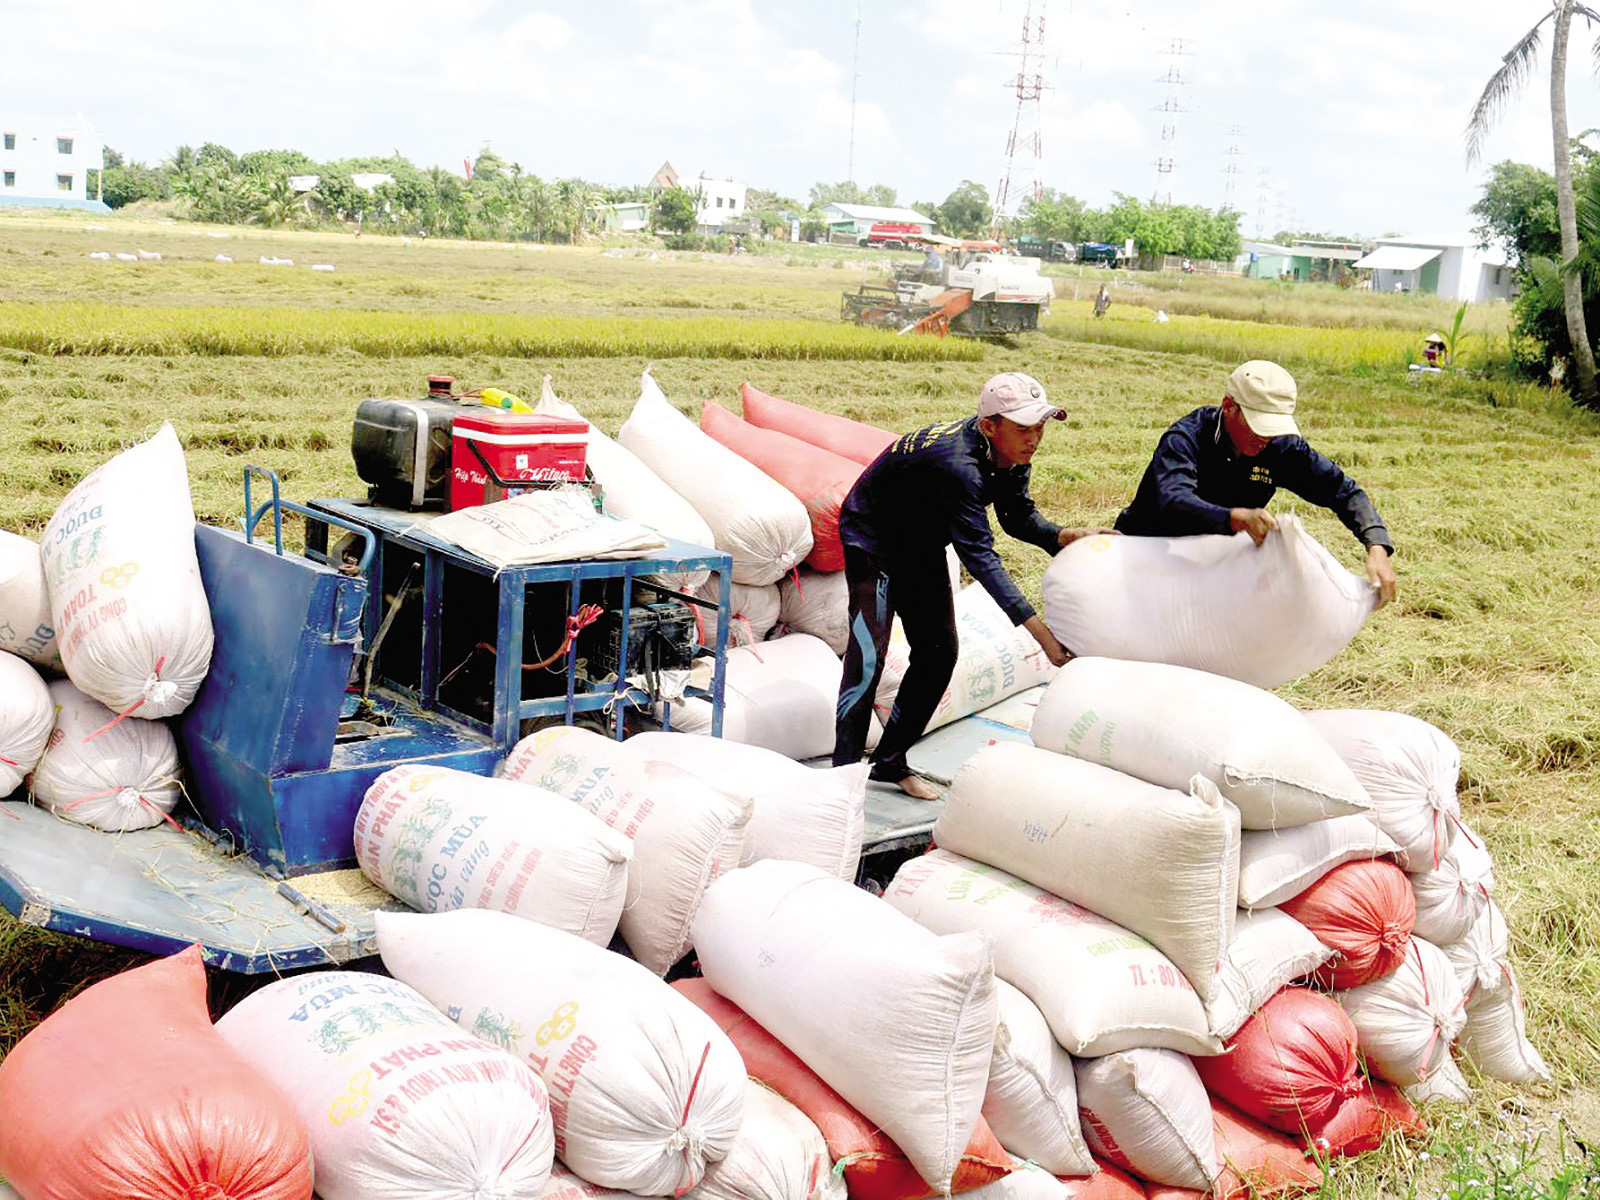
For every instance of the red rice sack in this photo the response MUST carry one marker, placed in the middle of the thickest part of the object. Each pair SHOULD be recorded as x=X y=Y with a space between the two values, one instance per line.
x=1256 y=1163
x=1362 y=1122
x=874 y=1167
x=1364 y=912
x=1107 y=1183
x=819 y=478
x=854 y=440
x=1291 y=1065
x=128 y=1091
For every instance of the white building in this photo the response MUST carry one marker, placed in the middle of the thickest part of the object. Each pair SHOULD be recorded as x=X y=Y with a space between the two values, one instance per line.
x=45 y=161
x=1452 y=266
x=721 y=201
x=860 y=218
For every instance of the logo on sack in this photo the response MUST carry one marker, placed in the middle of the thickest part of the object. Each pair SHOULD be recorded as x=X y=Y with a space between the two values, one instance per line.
x=119 y=577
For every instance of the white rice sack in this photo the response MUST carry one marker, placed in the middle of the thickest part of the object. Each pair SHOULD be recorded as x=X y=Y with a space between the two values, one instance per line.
x=1278 y=864
x=1100 y=988
x=816 y=603
x=685 y=832
x=645 y=1090
x=1446 y=1083
x=778 y=1155
x=782 y=695
x=633 y=492
x=97 y=770
x=441 y=839
x=1032 y=1099
x=27 y=715
x=898 y=1021
x=1406 y=1021
x=797 y=812
x=1452 y=896
x=762 y=524
x=1147 y=1112
x=1084 y=831
x=1028 y=1182
x=1167 y=724
x=1220 y=604
x=1495 y=1037
x=401 y=1104
x=564 y=1185
x=1270 y=949
x=1478 y=957
x=995 y=659
x=755 y=612
x=126 y=599
x=1409 y=769
x=26 y=626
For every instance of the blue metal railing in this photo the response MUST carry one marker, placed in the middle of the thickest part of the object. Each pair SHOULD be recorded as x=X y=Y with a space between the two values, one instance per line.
x=252 y=517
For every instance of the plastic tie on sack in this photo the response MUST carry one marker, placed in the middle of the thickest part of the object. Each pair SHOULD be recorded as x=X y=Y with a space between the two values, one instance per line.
x=155 y=690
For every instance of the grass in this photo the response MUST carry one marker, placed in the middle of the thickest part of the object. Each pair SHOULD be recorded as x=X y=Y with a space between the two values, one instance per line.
x=1491 y=489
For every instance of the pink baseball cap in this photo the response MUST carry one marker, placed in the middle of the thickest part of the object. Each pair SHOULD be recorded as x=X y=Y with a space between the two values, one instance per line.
x=1019 y=398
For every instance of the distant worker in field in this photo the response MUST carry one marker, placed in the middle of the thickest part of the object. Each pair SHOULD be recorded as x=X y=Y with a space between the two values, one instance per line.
x=1433 y=350
x=1215 y=470
x=1102 y=301
x=932 y=266
x=929 y=490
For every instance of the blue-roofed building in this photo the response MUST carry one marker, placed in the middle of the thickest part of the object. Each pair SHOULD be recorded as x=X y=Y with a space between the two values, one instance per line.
x=45 y=161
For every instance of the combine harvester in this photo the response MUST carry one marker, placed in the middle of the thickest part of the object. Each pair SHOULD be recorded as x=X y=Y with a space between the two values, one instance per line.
x=980 y=292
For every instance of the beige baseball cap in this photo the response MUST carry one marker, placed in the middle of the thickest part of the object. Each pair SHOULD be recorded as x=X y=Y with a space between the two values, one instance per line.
x=1017 y=397
x=1266 y=395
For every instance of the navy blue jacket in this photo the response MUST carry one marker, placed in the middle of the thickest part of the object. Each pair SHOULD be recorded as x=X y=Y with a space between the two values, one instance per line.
x=932 y=489
x=1195 y=477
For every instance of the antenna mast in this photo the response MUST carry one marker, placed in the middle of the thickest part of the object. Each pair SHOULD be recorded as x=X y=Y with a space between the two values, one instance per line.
x=855 y=79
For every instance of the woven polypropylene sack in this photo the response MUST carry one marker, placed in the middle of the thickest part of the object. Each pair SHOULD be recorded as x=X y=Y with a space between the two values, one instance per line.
x=127 y=1090
x=1082 y=831
x=1220 y=604
x=1029 y=1181
x=778 y=1155
x=1495 y=1038
x=1269 y=949
x=797 y=949
x=1407 y=1020
x=441 y=839
x=816 y=603
x=1277 y=864
x=782 y=695
x=818 y=478
x=1363 y=912
x=797 y=812
x=754 y=612
x=751 y=516
x=854 y=440
x=1147 y=1112
x=644 y=1089
x=1452 y=896
x=1362 y=1122
x=1291 y=1065
x=685 y=832
x=1410 y=770
x=26 y=628
x=27 y=715
x=1257 y=1163
x=126 y=601
x=1101 y=988
x=400 y=1103
x=873 y=1167
x=994 y=659
x=99 y=771
x=632 y=491
x=1032 y=1099
x=1444 y=1083
x=1107 y=1183
x=1166 y=724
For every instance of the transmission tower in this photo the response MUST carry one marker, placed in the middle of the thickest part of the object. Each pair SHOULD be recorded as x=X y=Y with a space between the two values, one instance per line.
x=1024 y=180
x=1263 y=197
x=1175 y=49
x=855 y=79
x=1230 y=168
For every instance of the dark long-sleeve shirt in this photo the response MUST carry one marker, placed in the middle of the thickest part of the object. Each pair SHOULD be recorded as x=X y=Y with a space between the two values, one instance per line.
x=932 y=489
x=1195 y=478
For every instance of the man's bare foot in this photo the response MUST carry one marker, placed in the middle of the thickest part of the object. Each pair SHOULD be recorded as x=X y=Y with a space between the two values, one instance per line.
x=919 y=788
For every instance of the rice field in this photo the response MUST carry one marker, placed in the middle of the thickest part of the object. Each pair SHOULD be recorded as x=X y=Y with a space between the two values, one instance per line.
x=1491 y=488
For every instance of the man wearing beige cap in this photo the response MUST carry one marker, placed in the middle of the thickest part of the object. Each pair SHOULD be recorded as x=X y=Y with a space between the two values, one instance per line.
x=1215 y=470
x=929 y=490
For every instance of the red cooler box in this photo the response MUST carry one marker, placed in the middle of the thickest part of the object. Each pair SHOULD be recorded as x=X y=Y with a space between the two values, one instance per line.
x=515 y=447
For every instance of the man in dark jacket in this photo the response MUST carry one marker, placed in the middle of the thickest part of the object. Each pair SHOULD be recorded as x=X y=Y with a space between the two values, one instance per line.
x=929 y=490
x=1215 y=470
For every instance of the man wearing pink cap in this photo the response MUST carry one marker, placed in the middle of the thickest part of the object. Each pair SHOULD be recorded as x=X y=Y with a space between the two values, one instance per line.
x=929 y=490
x=1215 y=470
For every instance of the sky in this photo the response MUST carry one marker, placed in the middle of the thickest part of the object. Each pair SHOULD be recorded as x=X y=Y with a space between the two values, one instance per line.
x=1346 y=117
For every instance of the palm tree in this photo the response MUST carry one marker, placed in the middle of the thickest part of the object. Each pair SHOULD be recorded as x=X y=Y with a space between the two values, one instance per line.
x=1514 y=71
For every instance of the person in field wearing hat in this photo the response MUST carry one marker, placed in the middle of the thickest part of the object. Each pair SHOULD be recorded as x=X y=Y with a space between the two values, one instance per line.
x=1215 y=470
x=932 y=489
